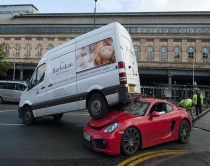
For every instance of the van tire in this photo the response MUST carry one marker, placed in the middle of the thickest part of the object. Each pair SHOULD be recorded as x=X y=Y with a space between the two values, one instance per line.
x=97 y=106
x=1 y=100
x=57 y=116
x=28 y=116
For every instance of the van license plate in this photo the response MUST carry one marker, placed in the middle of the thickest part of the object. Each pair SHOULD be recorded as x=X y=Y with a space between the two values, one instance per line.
x=86 y=136
x=131 y=89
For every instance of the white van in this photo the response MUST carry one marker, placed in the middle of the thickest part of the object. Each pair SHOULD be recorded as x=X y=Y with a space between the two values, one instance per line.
x=11 y=90
x=94 y=71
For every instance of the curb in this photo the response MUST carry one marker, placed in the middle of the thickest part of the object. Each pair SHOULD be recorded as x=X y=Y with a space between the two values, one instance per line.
x=200 y=115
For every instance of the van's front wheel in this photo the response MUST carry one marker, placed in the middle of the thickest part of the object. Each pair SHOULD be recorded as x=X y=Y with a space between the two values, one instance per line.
x=28 y=117
x=97 y=106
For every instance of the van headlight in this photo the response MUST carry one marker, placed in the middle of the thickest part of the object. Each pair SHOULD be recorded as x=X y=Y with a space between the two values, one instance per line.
x=111 y=127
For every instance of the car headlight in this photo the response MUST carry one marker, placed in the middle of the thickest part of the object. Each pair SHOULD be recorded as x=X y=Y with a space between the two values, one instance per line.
x=111 y=128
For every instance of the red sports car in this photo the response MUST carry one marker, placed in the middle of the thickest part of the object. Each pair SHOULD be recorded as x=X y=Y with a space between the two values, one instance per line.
x=140 y=124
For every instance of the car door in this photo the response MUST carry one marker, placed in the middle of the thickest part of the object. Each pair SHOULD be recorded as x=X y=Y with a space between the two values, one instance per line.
x=37 y=89
x=10 y=93
x=158 y=128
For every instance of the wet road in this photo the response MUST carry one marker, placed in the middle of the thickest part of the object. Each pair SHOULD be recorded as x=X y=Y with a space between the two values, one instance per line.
x=51 y=142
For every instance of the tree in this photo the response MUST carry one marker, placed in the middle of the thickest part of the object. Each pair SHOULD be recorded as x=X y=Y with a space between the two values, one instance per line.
x=4 y=66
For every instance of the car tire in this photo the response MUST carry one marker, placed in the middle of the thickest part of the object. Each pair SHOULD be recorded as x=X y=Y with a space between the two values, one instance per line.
x=28 y=117
x=57 y=116
x=184 y=131
x=131 y=141
x=1 y=100
x=97 y=106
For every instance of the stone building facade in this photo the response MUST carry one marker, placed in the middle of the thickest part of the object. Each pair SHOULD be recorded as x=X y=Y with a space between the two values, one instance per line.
x=171 y=47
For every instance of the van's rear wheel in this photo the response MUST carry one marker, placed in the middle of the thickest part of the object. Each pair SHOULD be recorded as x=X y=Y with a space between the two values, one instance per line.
x=97 y=106
x=57 y=116
x=1 y=100
x=28 y=117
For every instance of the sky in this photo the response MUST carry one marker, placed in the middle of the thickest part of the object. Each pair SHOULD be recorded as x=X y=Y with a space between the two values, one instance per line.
x=87 y=6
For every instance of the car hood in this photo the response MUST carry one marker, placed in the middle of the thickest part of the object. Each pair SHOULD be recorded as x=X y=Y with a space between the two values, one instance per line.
x=111 y=117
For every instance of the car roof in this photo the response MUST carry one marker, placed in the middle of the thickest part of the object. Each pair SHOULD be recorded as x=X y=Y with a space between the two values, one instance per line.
x=11 y=81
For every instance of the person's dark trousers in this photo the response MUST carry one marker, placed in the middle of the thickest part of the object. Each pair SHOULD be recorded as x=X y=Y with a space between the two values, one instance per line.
x=198 y=109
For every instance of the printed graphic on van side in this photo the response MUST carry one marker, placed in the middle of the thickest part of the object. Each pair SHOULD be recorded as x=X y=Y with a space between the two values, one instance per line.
x=96 y=54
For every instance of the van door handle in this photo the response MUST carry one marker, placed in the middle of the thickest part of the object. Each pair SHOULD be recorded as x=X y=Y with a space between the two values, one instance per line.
x=42 y=87
x=50 y=85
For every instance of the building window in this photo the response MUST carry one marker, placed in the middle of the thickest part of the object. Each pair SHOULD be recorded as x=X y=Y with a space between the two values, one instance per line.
x=17 y=49
x=7 y=49
x=149 y=52
x=136 y=49
x=39 y=49
x=205 y=53
x=191 y=53
x=163 y=53
x=50 y=47
x=176 y=52
x=28 y=49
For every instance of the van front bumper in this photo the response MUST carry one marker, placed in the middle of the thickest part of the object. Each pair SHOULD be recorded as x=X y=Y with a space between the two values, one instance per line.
x=20 y=112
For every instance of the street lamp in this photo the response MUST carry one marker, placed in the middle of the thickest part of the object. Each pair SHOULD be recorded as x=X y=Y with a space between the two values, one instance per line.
x=193 y=71
x=95 y=13
x=14 y=61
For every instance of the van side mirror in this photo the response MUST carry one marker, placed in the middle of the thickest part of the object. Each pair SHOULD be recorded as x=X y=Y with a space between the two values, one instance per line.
x=154 y=114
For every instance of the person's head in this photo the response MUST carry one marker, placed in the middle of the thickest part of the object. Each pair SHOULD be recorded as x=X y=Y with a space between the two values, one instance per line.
x=197 y=91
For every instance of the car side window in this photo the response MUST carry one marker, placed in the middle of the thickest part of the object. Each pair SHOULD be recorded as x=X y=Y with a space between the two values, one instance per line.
x=169 y=108
x=38 y=76
x=158 y=107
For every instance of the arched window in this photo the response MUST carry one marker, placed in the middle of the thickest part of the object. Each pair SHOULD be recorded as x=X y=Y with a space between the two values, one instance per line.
x=191 y=52
x=177 y=52
x=7 y=49
x=205 y=53
x=28 y=49
x=39 y=49
x=149 y=52
x=136 y=49
x=50 y=47
x=163 y=53
x=17 y=49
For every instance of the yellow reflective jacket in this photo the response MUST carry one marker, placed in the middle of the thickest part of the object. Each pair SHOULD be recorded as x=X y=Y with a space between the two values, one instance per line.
x=195 y=98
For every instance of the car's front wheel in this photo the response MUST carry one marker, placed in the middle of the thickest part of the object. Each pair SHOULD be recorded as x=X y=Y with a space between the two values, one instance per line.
x=131 y=140
x=184 y=131
x=28 y=117
x=97 y=106
x=57 y=116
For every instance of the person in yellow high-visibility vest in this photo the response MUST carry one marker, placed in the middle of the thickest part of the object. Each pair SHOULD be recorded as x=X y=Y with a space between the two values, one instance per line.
x=187 y=104
x=198 y=101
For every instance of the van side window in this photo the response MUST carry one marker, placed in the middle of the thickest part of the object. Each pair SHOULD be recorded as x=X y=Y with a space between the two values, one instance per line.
x=38 y=76
x=11 y=86
x=21 y=87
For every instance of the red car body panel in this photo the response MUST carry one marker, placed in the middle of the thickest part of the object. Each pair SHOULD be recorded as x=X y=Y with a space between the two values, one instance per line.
x=154 y=130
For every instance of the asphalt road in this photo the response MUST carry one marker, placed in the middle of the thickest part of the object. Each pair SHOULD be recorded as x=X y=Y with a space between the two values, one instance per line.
x=51 y=142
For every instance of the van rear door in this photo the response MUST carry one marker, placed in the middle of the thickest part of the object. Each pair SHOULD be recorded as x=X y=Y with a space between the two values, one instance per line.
x=131 y=66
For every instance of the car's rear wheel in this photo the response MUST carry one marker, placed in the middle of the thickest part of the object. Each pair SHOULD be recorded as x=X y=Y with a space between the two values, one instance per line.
x=1 y=100
x=97 y=106
x=131 y=140
x=184 y=131
x=57 y=116
x=28 y=117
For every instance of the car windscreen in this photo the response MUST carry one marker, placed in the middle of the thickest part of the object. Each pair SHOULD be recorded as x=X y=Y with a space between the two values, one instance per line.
x=136 y=108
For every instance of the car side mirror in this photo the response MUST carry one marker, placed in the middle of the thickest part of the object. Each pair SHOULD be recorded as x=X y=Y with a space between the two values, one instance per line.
x=154 y=114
